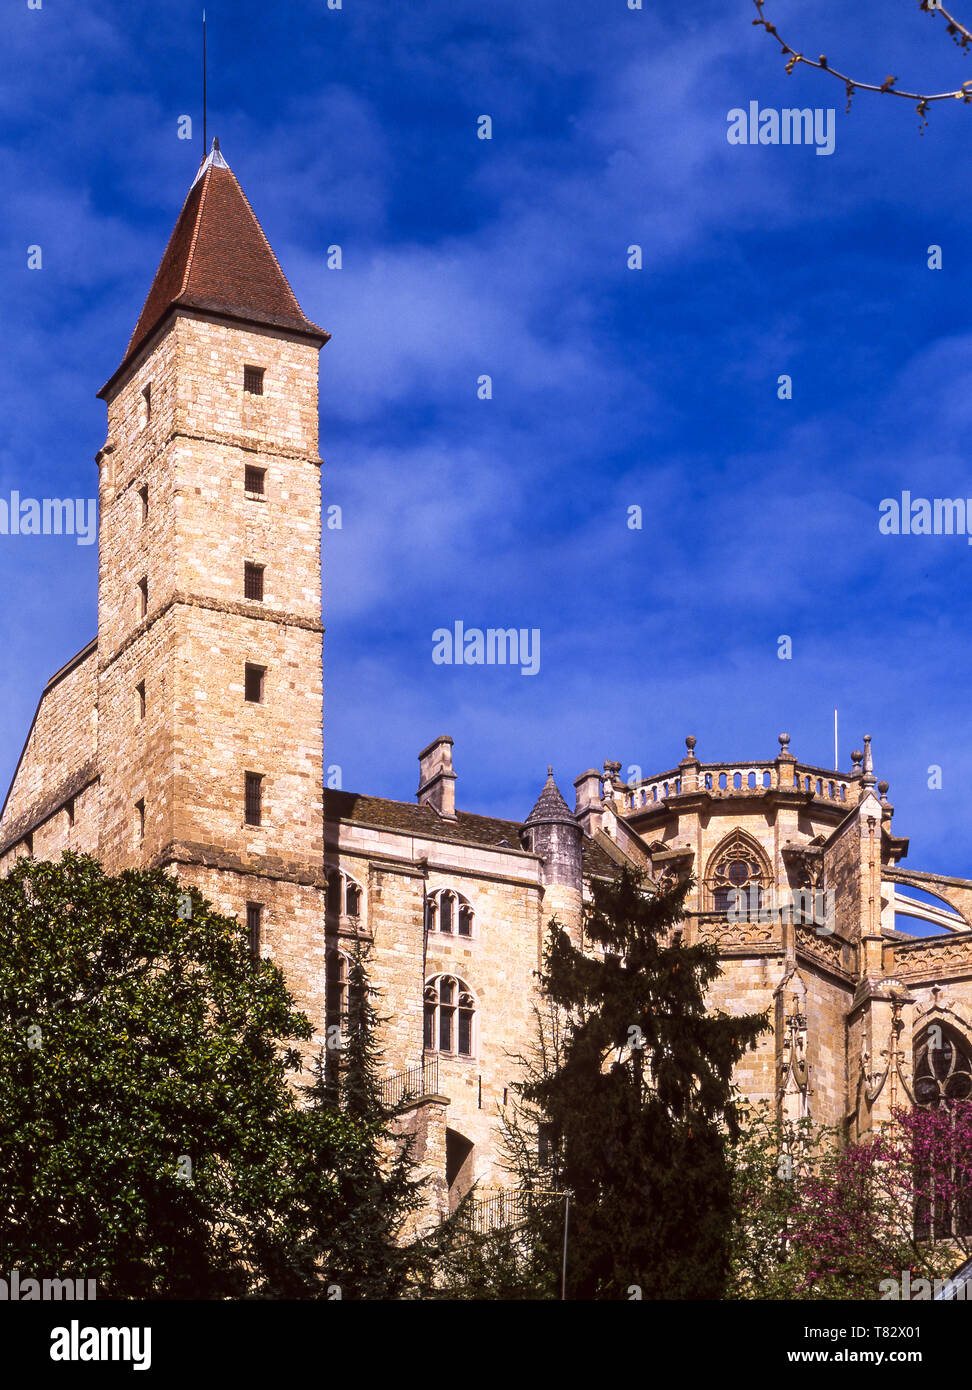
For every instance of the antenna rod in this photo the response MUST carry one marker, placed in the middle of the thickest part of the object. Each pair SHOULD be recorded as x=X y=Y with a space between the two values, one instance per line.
x=205 y=145
x=836 y=758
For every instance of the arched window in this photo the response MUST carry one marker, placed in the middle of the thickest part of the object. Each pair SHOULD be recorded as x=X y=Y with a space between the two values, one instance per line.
x=737 y=866
x=336 y=988
x=943 y=1067
x=344 y=895
x=943 y=1075
x=449 y=1016
x=449 y=912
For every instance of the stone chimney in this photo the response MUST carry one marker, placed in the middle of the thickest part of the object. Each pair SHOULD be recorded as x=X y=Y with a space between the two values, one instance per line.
x=587 y=810
x=437 y=781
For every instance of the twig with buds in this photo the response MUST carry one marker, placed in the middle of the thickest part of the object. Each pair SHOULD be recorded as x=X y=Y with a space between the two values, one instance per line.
x=958 y=32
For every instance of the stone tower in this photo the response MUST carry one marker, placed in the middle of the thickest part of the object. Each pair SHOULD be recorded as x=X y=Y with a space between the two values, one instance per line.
x=210 y=697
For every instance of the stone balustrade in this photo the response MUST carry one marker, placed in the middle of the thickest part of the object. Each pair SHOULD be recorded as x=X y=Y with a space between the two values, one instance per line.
x=734 y=779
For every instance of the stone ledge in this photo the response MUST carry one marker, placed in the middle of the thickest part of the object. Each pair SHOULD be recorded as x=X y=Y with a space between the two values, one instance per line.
x=235 y=608
x=268 y=866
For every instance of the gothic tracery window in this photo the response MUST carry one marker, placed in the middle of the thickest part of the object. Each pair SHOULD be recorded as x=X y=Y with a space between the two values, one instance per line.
x=942 y=1077
x=943 y=1068
x=449 y=912
x=736 y=868
x=344 y=896
x=449 y=1014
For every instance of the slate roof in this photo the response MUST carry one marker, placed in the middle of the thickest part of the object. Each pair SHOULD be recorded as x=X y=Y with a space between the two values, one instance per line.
x=410 y=818
x=550 y=806
x=218 y=259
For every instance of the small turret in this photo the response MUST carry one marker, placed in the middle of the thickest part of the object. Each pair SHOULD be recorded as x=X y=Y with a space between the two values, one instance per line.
x=551 y=831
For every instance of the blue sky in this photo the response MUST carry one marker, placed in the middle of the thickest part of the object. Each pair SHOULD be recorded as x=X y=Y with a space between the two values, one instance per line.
x=611 y=387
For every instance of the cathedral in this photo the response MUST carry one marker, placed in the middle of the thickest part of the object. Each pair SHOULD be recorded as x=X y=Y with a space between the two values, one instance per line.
x=188 y=735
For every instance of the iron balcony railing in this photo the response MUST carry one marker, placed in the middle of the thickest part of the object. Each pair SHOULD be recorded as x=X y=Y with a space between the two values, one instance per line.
x=411 y=1084
x=508 y=1207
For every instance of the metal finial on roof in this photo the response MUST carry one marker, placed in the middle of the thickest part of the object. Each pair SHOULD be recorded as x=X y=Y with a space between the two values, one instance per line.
x=549 y=770
x=213 y=160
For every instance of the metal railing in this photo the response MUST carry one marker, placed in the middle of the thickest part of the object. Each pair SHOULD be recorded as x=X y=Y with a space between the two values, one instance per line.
x=508 y=1207
x=422 y=1080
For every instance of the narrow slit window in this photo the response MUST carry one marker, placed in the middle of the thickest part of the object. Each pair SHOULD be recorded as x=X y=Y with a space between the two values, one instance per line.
x=253 y=582
x=253 y=682
x=253 y=381
x=143 y=499
x=140 y=820
x=69 y=810
x=146 y=403
x=254 y=926
x=140 y=695
x=253 y=480
x=142 y=598
x=254 y=798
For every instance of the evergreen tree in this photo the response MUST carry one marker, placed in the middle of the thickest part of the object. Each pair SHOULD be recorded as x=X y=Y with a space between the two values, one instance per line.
x=355 y=1192
x=523 y=1259
x=640 y=1104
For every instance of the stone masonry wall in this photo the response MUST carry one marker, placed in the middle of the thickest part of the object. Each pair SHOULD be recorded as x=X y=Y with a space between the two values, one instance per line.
x=56 y=778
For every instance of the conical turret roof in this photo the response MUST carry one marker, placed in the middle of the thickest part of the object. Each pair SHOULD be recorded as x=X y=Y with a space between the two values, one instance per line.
x=550 y=806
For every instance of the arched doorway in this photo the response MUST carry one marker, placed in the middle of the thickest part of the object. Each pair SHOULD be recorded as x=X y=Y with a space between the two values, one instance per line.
x=459 y=1166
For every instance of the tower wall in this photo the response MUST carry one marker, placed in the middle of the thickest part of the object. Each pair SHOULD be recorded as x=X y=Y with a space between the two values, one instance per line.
x=187 y=758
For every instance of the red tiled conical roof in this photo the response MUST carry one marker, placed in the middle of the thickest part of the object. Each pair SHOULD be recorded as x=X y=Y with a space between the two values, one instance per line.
x=218 y=259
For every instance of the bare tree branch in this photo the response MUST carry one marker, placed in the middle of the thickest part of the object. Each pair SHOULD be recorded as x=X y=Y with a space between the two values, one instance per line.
x=957 y=31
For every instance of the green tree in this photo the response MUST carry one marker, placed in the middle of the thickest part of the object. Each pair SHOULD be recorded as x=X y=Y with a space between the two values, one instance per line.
x=355 y=1192
x=640 y=1104
x=522 y=1256
x=145 y=1115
